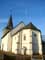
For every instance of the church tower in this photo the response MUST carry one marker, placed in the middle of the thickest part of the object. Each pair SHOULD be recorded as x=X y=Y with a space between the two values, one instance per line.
x=9 y=26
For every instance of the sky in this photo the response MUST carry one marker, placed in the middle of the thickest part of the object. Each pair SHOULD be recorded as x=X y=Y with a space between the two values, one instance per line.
x=23 y=10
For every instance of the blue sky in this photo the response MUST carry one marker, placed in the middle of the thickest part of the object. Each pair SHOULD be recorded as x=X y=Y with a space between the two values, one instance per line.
x=23 y=10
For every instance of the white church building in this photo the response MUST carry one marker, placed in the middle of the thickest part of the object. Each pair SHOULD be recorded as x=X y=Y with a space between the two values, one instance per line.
x=23 y=39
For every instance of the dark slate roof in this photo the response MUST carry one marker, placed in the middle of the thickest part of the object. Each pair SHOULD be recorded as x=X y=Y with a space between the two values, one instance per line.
x=10 y=24
x=11 y=30
x=31 y=26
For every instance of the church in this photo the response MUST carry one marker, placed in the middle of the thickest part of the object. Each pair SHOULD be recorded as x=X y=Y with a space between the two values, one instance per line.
x=22 y=39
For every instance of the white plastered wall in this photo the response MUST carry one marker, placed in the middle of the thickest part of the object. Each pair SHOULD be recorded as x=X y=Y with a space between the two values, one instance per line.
x=40 y=43
x=4 y=43
x=28 y=42
x=9 y=47
x=15 y=43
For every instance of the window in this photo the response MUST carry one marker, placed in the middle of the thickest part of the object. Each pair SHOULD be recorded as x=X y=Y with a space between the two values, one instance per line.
x=25 y=49
x=35 y=35
x=24 y=37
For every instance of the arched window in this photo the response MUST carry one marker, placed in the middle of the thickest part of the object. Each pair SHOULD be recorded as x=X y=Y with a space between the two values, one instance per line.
x=25 y=49
x=24 y=37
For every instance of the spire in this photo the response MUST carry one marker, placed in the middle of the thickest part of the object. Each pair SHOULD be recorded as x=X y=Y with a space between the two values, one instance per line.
x=10 y=24
x=8 y=27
